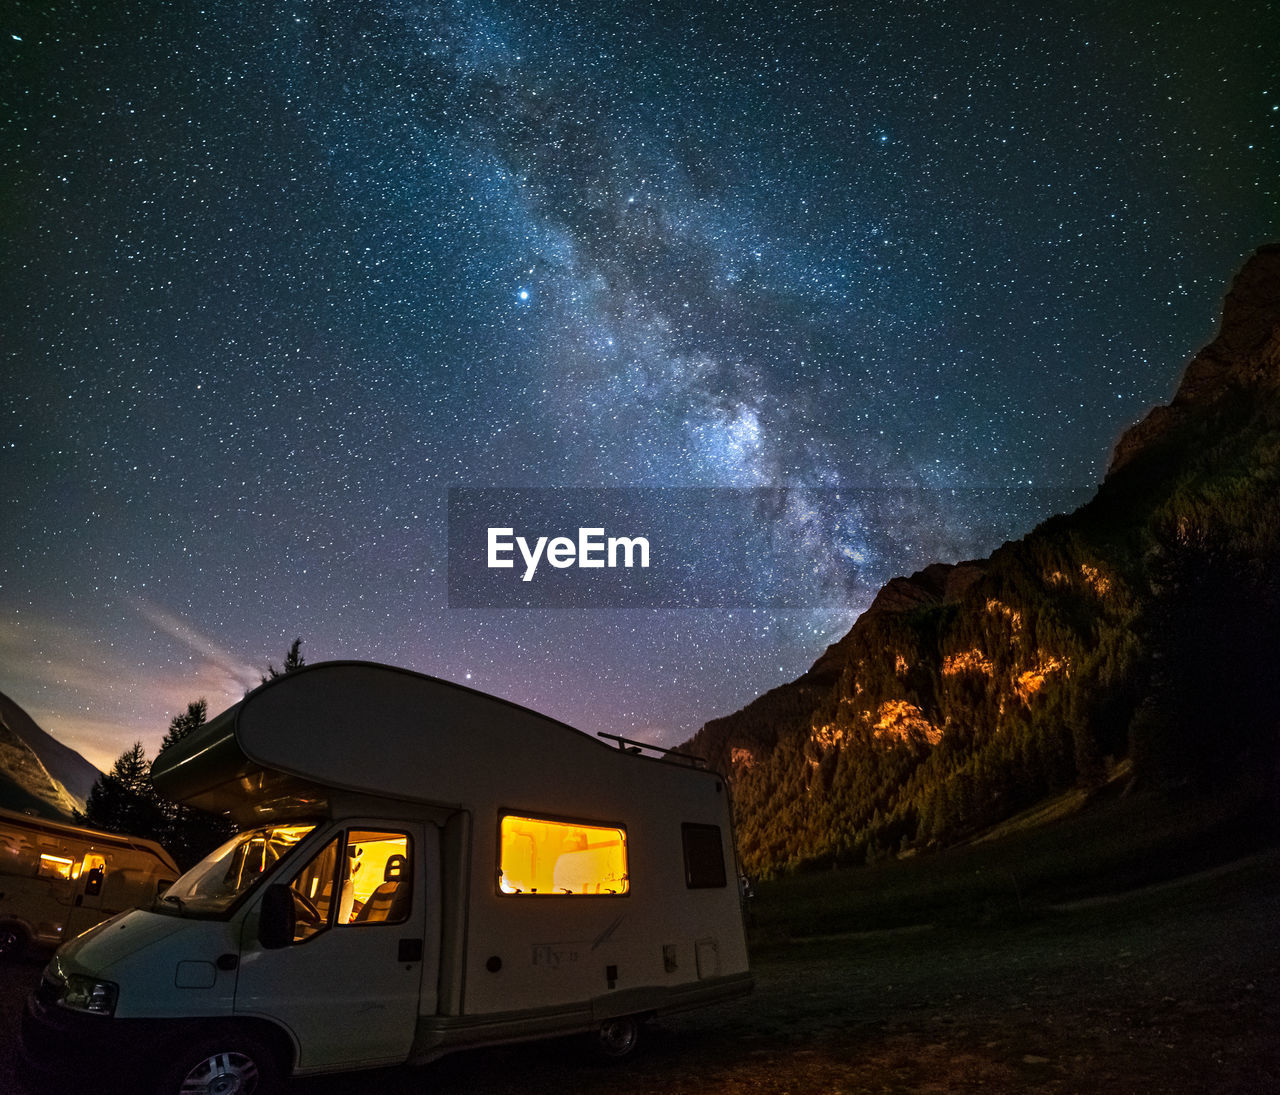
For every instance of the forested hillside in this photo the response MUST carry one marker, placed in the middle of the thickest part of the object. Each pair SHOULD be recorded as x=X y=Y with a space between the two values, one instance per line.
x=1145 y=626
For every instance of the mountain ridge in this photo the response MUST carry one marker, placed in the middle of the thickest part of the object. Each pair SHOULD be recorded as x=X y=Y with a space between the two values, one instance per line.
x=972 y=690
x=1244 y=353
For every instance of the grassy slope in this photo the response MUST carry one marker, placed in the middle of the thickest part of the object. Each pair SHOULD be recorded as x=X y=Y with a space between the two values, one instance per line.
x=1118 y=843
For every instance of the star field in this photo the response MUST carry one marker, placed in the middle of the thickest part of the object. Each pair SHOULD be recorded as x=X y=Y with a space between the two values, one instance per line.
x=278 y=276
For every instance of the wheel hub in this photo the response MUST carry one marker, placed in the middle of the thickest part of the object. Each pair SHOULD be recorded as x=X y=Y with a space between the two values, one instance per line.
x=222 y=1074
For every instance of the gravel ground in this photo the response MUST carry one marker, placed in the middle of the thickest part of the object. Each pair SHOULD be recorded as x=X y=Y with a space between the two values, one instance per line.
x=1171 y=991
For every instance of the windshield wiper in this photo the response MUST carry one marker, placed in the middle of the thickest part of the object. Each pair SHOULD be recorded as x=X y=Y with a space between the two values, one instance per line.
x=176 y=900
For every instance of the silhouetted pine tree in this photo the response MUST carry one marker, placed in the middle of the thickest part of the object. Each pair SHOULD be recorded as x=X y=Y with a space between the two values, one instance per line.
x=187 y=833
x=293 y=661
x=190 y=720
x=122 y=800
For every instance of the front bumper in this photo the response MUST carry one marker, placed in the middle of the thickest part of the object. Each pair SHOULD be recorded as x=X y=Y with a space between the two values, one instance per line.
x=70 y=1051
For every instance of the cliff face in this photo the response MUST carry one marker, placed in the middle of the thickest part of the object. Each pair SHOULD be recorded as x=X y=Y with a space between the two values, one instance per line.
x=969 y=691
x=938 y=583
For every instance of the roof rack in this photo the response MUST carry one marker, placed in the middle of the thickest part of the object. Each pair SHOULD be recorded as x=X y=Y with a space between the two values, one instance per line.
x=629 y=745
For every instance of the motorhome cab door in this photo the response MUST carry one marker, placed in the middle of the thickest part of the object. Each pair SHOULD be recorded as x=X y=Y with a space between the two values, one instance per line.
x=351 y=982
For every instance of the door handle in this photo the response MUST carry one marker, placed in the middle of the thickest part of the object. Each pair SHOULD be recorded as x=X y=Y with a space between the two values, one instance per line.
x=410 y=950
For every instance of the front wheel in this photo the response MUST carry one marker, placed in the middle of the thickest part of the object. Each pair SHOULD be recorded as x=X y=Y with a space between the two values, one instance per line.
x=231 y=1064
x=617 y=1039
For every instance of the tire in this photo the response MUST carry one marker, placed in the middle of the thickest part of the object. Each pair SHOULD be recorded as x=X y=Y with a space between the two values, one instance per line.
x=617 y=1039
x=14 y=941
x=234 y=1063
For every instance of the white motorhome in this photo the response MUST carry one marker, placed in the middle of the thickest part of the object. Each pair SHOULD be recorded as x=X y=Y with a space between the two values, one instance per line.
x=58 y=880
x=420 y=868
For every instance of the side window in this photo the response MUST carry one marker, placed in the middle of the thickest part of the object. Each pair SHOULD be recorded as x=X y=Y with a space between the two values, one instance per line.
x=377 y=878
x=91 y=862
x=54 y=866
x=539 y=856
x=313 y=889
x=703 y=856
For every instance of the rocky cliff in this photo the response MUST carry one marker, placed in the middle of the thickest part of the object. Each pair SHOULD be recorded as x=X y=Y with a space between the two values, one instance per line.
x=1137 y=628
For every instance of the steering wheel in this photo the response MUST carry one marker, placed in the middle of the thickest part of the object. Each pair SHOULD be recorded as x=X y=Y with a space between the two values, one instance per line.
x=306 y=911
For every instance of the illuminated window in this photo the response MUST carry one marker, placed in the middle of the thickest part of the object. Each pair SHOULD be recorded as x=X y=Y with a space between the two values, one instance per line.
x=91 y=862
x=226 y=874
x=377 y=884
x=54 y=866
x=257 y=852
x=313 y=893
x=560 y=857
x=366 y=879
x=703 y=857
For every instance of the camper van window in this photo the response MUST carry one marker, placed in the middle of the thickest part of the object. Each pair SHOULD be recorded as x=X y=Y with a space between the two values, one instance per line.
x=703 y=857
x=54 y=866
x=225 y=875
x=377 y=884
x=313 y=889
x=544 y=857
x=91 y=862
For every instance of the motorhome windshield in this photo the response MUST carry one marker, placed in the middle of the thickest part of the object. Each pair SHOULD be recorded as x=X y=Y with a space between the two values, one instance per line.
x=219 y=880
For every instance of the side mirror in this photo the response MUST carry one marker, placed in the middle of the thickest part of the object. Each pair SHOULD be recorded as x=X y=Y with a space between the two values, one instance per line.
x=277 y=918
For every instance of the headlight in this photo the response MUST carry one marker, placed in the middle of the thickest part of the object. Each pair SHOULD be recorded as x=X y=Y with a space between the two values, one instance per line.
x=85 y=994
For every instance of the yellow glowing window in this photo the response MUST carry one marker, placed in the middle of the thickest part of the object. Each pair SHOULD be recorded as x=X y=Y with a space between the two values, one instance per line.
x=54 y=866
x=560 y=857
x=91 y=862
x=377 y=882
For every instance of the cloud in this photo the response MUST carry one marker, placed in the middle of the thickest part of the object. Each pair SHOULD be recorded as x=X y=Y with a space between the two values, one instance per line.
x=234 y=673
x=99 y=698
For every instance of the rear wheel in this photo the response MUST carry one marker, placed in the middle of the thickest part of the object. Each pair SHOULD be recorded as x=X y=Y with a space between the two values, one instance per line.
x=617 y=1039
x=234 y=1063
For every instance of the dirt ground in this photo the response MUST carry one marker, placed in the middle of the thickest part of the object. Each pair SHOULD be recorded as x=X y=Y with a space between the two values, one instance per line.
x=1171 y=991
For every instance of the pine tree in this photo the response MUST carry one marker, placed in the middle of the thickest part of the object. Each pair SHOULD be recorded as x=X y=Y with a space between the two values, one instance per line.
x=122 y=800
x=190 y=720
x=293 y=661
x=188 y=834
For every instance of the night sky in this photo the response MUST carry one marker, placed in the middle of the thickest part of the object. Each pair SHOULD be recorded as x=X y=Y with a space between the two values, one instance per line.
x=277 y=276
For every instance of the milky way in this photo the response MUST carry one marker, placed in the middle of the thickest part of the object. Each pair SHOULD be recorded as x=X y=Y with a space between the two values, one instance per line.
x=279 y=275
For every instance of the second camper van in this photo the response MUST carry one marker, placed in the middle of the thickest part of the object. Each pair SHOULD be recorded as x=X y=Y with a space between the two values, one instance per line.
x=58 y=879
x=420 y=868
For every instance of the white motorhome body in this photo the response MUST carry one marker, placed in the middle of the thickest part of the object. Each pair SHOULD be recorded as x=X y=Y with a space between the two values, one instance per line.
x=59 y=879
x=420 y=868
